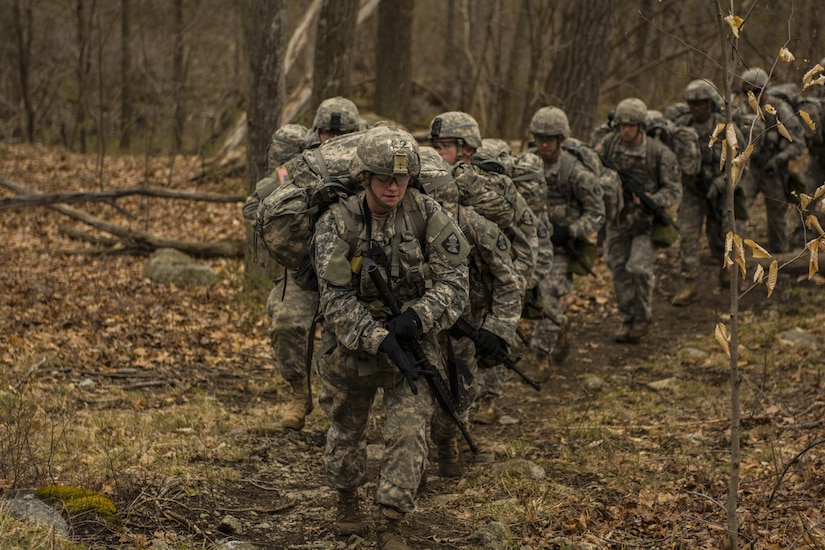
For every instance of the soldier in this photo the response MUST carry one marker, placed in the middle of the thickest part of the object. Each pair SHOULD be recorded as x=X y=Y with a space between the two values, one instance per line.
x=703 y=195
x=455 y=135
x=576 y=210
x=493 y=309
x=290 y=307
x=421 y=253
x=286 y=142
x=768 y=166
x=630 y=248
x=815 y=168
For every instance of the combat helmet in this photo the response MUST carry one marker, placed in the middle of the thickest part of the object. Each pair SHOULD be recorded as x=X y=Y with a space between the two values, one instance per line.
x=550 y=121
x=286 y=143
x=456 y=125
x=631 y=111
x=386 y=151
x=701 y=90
x=437 y=181
x=754 y=79
x=337 y=114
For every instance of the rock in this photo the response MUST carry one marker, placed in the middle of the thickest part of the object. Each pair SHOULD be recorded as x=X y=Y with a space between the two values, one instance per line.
x=170 y=266
x=87 y=384
x=491 y=537
x=798 y=338
x=230 y=525
x=521 y=467
x=34 y=511
x=664 y=384
x=591 y=382
x=234 y=545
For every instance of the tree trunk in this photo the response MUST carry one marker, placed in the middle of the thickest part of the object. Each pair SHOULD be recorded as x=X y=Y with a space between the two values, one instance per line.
x=578 y=72
x=334 y=41
x=265 y=32
x=22 y=29
x=125 y=77
x=178 y=79
x=81 y=72
x=393 y=64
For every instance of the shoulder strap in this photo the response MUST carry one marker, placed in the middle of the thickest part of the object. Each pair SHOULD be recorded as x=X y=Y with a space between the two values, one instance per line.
x=322 y=165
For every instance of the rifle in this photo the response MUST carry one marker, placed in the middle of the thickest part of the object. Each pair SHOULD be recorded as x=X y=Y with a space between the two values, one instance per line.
x=466 y=329
x=634 y=188
x=570 y=247
x=713 y=204
x=429 y=371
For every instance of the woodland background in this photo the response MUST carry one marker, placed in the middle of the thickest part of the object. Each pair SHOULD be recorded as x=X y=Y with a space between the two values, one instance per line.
x=157 y=78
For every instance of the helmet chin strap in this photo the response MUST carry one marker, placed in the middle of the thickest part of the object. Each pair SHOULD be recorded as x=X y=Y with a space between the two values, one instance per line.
x=378 y=201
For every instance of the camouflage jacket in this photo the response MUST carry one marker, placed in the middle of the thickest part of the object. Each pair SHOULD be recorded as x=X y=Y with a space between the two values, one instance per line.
x=711 y=156
x=574 y=196
x=432 y=268
x=768 y=142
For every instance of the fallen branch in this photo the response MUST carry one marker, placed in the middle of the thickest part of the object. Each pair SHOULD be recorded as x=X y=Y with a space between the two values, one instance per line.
x=141 y=240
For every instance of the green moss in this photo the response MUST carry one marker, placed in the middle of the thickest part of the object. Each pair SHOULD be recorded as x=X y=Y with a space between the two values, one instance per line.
x=77 y=500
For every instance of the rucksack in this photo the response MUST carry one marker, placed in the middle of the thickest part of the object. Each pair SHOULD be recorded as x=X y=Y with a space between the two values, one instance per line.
x=317 y=178
x=607 y=178
x=790 y=93
x=682 y=140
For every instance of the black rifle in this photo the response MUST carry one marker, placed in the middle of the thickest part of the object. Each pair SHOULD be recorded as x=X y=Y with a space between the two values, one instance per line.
x=573 y=251
x=634 y=188
x=465 y=328
x=429 y=371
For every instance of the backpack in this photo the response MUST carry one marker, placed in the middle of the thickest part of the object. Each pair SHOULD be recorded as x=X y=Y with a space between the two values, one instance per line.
x=286 y=218
x=790 y=93
x=607 y=178
x=682 y=140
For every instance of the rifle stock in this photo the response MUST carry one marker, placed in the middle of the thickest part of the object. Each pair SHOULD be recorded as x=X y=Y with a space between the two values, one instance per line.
x=429 y=371
x=464 y=327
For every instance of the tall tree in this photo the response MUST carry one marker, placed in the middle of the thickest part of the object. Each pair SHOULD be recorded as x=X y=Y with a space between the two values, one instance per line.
x=178 y=78
x=22 y=28
x=125 y=76
x=266 y=45
x=334 y=41
x=578 y=70
x=83 y=67
x=393 y=59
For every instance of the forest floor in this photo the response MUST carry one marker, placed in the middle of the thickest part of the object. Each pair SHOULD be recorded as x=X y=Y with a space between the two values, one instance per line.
x=167 y=400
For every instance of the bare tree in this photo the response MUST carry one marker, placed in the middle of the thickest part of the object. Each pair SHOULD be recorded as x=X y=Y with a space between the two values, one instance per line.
x=125 y=76
x=579 y=67
x=178 y=78
x=393 y=53
x=21 y=28
x=334 y=41
x=265 y=32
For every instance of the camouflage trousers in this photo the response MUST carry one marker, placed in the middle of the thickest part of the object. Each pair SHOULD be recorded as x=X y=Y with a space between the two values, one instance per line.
x=291 y=318
x=544 y=258
x=694 y=213
x=347 y=396
x=773 y=188
x=443 y=425
x=553 y=287
x=489 y=381
x=630 y=257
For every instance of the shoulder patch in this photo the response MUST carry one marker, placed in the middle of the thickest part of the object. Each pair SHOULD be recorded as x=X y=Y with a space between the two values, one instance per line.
x=283 y=174
x=527 y=218
x=451 y=244
x=501 y=242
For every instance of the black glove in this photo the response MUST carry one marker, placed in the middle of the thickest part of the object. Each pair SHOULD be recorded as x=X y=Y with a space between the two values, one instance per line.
x=392 y=348
x=406 y=326
x=488 y=343
x=561 y=235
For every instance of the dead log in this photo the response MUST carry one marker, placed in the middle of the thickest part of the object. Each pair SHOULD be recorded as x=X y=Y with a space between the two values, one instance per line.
x=36 y=199
x=141 y=240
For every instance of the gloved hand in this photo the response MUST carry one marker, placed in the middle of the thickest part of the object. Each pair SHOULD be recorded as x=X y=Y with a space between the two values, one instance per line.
x=488 y=344
x=716 y=188
x=561 y=235
x=392 y=348
x=406 y=326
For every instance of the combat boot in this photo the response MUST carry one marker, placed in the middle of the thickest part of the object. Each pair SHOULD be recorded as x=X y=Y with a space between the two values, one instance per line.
x=348 y=517
x=449 y=457
x=389 y=529
x=299 y=406
x=562 y=347
x=623 y=334
x=638 y=331
x=687 y=295
x=485 y=410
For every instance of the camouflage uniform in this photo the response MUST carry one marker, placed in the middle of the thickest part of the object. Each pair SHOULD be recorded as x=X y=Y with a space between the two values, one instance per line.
x=768 y=166
x=576 y=210
x=428 y=273
x=704 y=194
x=495 y=298
x=815 y=168
x=293 y=302
x=630 y=248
